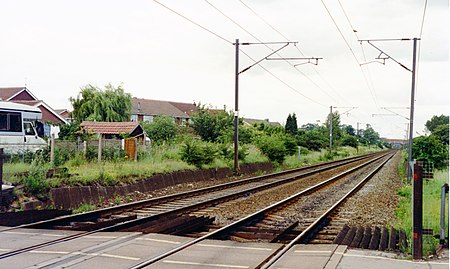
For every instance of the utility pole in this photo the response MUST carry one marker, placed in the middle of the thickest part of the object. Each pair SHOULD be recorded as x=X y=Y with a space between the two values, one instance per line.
x=413 y=88
x=411 y=111
x=331 y=129
x=236 y=110
x=331 y=123
x=236 y=87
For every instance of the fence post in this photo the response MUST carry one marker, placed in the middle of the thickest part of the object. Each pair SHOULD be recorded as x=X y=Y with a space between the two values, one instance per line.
x=85 y=148
x=52 y=149
x=136 y=151
x=444 y=190
x=417 y=204
x=100 y=148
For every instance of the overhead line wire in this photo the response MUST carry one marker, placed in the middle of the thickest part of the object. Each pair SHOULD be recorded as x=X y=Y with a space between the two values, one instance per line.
x=297 y=47
x=237 y=24
x=420 y=45
x=229 y=42
x=351 y=50
x=193 y=22
x=248 y=32
x=362 y=47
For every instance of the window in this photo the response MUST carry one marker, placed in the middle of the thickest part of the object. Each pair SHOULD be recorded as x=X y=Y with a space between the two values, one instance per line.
x=28 y=128
x=10 y=122
x=148 y=119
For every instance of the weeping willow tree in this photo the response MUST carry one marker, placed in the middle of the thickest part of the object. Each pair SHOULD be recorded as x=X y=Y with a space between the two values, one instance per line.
x=94 y=104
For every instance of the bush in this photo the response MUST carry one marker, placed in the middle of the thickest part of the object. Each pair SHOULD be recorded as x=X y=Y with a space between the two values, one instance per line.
x=162 y=129
x=35 y=182
x=197 y=153
x=227 y=151
x=350 y=140
x=429 y=148
x=273 y=147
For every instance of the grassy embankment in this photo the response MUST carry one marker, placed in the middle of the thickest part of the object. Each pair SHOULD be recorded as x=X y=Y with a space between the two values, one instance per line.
x=431 y=209
x=160 y=159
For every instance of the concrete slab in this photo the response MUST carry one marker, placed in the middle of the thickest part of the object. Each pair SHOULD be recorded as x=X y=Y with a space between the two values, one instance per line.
x=307 y=257
x=375 y=259
x=20 y=238
x=122 y=250
x=219 y=254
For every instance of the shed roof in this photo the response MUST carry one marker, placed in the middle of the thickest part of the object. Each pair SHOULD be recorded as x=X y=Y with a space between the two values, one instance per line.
x=110 y=127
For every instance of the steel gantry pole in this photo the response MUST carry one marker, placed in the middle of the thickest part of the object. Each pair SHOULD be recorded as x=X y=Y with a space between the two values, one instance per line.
x=236 y=87
x=413 y=89
x=331 y=130
x=411 y=111
x=236 y=110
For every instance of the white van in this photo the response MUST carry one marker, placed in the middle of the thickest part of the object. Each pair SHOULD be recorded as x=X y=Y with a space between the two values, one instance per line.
x=18 y=128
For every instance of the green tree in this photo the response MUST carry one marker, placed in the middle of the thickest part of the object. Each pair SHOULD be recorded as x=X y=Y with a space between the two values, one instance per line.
x=162 y=129
x=94 y=104
x=209 y=125
x=291 y=124
x=441 y=133
x=371 y=136
x=314 y=139
x=349 y=140
x=429 y=148
x=435 y=122
x=337 y=131
x=348 y=129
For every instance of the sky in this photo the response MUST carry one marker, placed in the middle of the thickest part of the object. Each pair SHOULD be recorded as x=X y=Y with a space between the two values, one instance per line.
x=183 y=51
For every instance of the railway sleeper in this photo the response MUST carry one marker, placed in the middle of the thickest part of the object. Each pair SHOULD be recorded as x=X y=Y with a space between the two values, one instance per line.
x=374 y=238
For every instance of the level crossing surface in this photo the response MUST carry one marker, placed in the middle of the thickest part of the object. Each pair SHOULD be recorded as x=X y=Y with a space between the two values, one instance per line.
x=125 y=249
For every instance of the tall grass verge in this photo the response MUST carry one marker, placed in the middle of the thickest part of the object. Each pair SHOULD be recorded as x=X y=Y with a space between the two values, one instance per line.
x=431 y=211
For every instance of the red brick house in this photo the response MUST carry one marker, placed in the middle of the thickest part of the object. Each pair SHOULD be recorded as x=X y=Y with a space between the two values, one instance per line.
x=22 y=95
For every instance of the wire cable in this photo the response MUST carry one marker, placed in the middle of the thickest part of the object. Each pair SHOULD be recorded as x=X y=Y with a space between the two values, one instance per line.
x=419 y=49
x=259 y=40
x=193 y=22
x=229 y=42
x=351 y=50
x=297 y=47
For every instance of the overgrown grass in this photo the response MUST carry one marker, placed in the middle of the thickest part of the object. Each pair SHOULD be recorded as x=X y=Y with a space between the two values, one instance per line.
x=84 y=208
x=312 y=157
x=163 y=158
x=431 y=211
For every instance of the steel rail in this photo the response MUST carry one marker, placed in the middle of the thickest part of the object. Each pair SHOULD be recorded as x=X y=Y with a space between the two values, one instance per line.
x=136 y=222
x=320 y=219
x=133 y=205
x=248 y=218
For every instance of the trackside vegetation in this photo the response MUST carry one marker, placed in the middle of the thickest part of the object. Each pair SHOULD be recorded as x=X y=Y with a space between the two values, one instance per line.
x=206 y=141
x=432 y=149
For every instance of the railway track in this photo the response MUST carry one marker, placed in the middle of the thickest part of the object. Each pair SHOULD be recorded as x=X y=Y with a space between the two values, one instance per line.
x=260 y=224
x=153 y=215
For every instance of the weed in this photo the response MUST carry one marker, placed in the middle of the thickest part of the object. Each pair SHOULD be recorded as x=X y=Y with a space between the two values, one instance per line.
x=84 y=208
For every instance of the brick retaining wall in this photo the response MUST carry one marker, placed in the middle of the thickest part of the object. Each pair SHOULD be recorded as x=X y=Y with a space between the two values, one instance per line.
x=73 y=197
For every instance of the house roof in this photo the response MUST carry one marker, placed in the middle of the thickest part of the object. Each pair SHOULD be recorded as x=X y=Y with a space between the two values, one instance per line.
x=8 y=93
x=60 y=111
x=38 y=103
x=187 y=108
x=156 y=108
x=257 y=121
x=110 y=127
